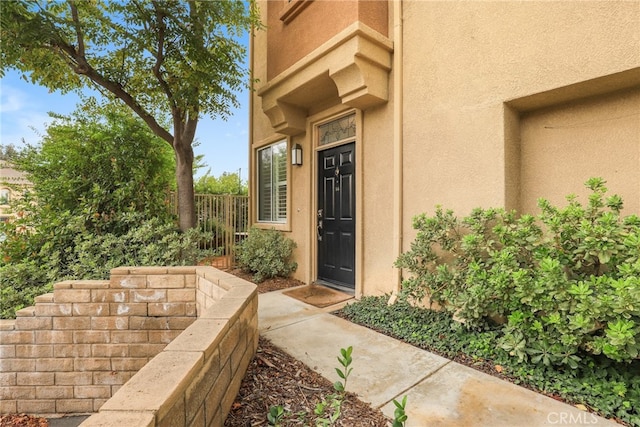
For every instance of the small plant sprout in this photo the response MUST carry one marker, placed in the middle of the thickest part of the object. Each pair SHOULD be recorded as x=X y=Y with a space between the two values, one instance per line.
x=399 y=415
x=345 y=360
x=275 y=415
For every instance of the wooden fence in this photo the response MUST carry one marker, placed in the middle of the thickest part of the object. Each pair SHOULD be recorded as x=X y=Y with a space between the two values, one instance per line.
x=226 y=217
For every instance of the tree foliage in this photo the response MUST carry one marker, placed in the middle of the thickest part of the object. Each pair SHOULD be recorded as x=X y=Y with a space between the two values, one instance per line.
x=99 y=200
x=168 y=61
x=227 y=183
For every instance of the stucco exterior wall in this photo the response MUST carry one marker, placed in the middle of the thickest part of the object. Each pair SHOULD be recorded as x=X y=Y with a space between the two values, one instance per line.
x=497 y=103
x=459 y=75
x=290 y=39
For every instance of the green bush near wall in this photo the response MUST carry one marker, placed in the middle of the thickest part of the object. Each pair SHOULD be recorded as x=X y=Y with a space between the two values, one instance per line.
x=562 y=284
x=266 y=254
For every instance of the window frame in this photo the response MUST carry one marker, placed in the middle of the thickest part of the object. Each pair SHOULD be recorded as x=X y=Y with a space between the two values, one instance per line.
x=279 y=188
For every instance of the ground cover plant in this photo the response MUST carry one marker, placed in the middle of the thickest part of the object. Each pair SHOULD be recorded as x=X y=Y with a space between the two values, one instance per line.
x=607 y=387
x=554 y=297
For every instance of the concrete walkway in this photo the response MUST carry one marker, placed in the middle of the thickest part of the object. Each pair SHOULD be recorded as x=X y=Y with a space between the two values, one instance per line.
x=439 y=392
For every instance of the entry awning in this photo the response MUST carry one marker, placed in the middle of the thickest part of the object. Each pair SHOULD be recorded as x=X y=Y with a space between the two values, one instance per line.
x=352 y=67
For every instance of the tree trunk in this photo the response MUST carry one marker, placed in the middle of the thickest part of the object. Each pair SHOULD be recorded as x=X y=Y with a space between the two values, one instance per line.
x=184 y=179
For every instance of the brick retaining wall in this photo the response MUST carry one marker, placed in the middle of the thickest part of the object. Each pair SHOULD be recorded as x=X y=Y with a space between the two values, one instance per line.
x=77 y=347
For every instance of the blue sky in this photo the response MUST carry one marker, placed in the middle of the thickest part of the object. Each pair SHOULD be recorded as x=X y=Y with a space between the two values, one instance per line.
x=23 y=115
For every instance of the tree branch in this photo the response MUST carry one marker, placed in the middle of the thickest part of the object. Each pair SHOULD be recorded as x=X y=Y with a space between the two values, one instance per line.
x=76 y=22
x=160 y=57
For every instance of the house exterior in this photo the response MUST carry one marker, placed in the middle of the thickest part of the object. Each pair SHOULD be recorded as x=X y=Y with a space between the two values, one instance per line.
x=394 y=107
x=13 y=184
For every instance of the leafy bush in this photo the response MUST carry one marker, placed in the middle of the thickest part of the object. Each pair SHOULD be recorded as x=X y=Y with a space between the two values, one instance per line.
x=266 y=254
x=610 y=388
x=565 y=282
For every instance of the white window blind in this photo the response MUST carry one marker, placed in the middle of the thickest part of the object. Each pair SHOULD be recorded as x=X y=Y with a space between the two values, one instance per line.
x=272 y=183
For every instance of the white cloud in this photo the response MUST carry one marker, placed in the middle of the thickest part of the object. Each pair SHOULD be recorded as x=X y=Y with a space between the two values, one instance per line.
x=11 y=99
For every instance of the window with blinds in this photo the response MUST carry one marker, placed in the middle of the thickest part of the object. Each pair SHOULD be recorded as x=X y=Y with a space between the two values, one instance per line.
x=272 y=183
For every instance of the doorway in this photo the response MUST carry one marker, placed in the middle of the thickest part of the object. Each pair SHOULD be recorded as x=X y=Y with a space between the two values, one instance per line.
x=336 y=218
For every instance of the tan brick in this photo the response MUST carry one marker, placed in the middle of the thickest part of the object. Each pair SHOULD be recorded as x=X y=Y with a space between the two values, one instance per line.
x=26 y=312
x=128 y=309
x=145 y=271
x=7 y=351
x=17 y=337
x=110 y=350
x=180 y=323
x=110 y=295
x=89 y=284
x=138 y=323
x=91 y=309
x=54 y=365
x=66 y=323
x=97 y=404
x=9 y=406
x=92 y=364
x=199 y=387
x=190 y=281
x=7 y=325
x=30 y=351
x=65 y=284
x=165 y=337
x=110 y=322
x=35 y=378
x=17 y=365
x=187 y=270
x=191 y=309
x=73 y=378
x=44 y=298
x=33 y=323
x=216 y=393
x=167 y=309
x=72 y=350
x=181 y=295
x=129 y=336
x=91 y=337
x=128 y=282
x=53 y=309
x=92 y=391
x=145 y=350
x=148 y=295
x=72 y=295
x=112 y=377
x=17 y=392
x=8 y=378
x=68 y=406
x=55 y=392
x=36 y=406
x=54 y=337
x=128 y=364
x=165 y=281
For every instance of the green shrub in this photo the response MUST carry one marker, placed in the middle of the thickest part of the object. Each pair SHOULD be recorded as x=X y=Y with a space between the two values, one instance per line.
x=565 y=282
x=266 y=254
x=608 y=387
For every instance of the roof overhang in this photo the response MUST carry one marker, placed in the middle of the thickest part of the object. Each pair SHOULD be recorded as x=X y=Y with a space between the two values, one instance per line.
x=352 y=67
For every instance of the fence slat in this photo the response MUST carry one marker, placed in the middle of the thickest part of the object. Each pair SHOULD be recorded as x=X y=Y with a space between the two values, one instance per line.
x=226 y=216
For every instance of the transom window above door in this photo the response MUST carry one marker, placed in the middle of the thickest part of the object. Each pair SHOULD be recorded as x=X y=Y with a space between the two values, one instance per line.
x=337 y=130
x=272 y=183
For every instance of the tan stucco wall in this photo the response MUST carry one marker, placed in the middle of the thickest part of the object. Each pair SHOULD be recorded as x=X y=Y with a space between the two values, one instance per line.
x=316 y=23
x=481 y=80
x=463 y=60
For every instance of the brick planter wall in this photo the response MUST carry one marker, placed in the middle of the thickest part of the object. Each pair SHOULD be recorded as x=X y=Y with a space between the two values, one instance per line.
x=77 y=347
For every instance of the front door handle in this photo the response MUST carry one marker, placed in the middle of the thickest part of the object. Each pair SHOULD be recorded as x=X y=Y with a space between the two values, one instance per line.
x=319 y=230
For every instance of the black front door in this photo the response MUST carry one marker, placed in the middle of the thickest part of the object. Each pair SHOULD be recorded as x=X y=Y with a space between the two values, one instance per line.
x=336 y=215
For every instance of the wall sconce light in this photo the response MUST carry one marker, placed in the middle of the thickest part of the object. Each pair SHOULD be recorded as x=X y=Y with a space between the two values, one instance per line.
x=296 y=155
